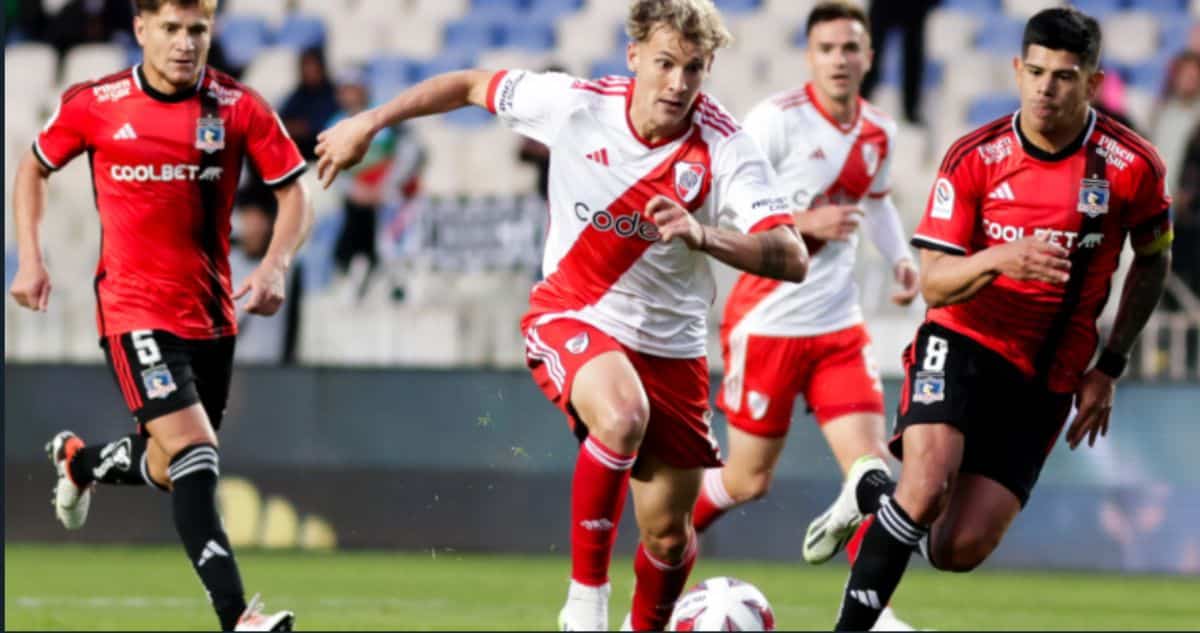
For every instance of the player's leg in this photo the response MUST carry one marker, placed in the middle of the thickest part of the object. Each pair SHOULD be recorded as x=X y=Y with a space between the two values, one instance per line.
x=757 y=399
x=932 y=455
x=978 y=514
x=663 y=497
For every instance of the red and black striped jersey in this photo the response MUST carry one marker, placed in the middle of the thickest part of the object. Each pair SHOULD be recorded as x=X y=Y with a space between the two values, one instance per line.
x=994 y=186
x=165 y=171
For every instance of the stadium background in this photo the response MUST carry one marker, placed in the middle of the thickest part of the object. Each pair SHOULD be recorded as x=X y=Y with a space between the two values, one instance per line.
x=406 y=422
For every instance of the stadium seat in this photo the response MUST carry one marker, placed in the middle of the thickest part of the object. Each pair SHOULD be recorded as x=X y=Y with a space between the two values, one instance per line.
x=242 y=36
x=274 y=73
x=614 y=65
x=301 y=31
x=728 y=7
x=989 y=107
x=621 y=37
x=1150 y=74
x=507 y=58
x=469 y=117
x=760 y=33
x=1175 y=34
x=578 y=45
x=393 y=68
x=443 y=63
x=975 y=7
x=551 y=10
x=30 y=71
x=323 y=8
x=470 y=35
x=91 y=61
x=1194 y=9
x=271 y=11
x=1139 y=106
x=1130 y=37
x=527 y=34
x=790 y=11
x=1166 y=9
x=1098 y=9
x=443 y=10
x=352 y=39
x=1025 y=9
x=497 y=9
x=1000 y=36
x=948 y=33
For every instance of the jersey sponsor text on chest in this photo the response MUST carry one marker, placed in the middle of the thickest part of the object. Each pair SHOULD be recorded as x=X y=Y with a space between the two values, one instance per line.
x=163 y=173
x=626 y=225
x=1065 y=239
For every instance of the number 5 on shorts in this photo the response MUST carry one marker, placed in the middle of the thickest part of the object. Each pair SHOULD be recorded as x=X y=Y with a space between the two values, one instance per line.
x=146 y=346
x=935 y=354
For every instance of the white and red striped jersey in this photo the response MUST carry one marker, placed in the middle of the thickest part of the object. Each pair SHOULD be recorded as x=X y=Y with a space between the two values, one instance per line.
x=818 y=162
x=604 y=264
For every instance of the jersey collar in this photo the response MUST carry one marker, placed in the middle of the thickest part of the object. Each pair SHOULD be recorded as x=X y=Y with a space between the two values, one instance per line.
x=182 y=95
x=1041 y=154
x=843 y=128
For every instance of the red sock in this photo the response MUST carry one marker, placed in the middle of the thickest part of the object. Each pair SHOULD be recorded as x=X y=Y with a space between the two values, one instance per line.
x=713 y=502
x=598 y=492
x=856 y=541
x=657 y=588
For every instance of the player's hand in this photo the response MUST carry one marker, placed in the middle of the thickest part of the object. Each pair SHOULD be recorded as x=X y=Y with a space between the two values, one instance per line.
x=266 y=289
x=1034 y=259
x=674 y=221
x=31 y=286
x=1095 y=399
x=343 y=146
x=905 y=273
x=830 y=222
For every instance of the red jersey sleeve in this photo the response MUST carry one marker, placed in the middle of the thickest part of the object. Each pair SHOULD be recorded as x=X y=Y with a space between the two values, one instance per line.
x=1148 y=216
x=65 y=135
x=273 y=152
x=953 y=208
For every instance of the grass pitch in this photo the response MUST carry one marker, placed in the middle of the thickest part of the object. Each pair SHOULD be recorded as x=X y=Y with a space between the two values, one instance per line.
x=153 y=588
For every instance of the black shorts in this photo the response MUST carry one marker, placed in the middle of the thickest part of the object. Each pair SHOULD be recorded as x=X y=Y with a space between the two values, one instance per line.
x=1008 y=420
x=159 y=373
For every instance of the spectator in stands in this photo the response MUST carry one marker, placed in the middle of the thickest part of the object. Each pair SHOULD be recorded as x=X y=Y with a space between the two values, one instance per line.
x=89 y=21
x=273 y=340
x=909 y=17
x=312 y=104
x=1177 y=110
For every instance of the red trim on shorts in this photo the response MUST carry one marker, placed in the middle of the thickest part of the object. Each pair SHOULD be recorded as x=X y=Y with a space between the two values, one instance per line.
x=772 y=221
x=494 y=83
x=826 y=415
x=125 y=377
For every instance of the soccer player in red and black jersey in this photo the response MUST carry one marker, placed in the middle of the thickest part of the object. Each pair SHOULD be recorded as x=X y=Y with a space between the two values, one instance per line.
x=165 y=142
x=1018 y=247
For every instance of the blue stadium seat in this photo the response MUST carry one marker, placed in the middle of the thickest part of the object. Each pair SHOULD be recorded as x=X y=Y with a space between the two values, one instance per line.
x=892 y=71
x=1150 y=74
x=620 y=36
x=1098 y=9
x=973 y=6
x=471 y=35
x=530 y=35
x=738 y=6
x=301 y=31
x=1000 y=36
x=10 y=266
x=1174 y=34
x=1161 y=7
x=613 y=65
x=990 y=107
x=242 y=36
x=503 y=9
x=443 y=63
x=388 y=75
x=469 y=117
x=552 y=9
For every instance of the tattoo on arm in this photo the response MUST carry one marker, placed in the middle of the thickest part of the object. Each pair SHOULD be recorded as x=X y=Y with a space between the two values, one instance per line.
x=773 y=254
x=1143 y=288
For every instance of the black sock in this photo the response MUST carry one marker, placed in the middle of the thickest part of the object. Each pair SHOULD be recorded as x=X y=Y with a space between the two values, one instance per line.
x=118 y=462
x=194 y=472
x=873 y=485
x=885 y=550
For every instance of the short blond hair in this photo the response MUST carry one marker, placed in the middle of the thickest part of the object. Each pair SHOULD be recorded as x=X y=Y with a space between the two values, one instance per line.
x=696 y=20
x=207 y=7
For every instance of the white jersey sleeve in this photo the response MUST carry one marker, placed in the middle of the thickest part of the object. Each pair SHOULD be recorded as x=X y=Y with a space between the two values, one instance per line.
x=768 y=128
x=881 y=184
x=747 y=196
x=535 y=105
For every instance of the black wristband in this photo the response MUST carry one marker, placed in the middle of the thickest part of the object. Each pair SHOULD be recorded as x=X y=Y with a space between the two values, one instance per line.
x=1111 y=364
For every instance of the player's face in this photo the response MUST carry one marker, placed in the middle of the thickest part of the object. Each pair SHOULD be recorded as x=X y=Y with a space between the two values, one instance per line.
x=175 y=42
x=669 y=71
x=839 y=54
x=1055 y=89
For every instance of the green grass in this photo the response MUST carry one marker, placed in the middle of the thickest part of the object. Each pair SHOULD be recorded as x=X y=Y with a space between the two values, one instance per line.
x=128 y=588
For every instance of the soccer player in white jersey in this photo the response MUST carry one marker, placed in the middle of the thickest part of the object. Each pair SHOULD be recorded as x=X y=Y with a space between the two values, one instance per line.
x=641 y=171
x=833 y=153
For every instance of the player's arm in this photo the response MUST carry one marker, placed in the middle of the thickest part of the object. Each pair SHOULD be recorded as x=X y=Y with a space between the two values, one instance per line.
x=948 y=278
x=345 y=144
x=887 y=234
x=31 y=284
x=267 y=284
x=776 y=253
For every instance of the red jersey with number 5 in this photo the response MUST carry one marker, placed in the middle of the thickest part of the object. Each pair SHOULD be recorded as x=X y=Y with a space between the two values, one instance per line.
x=994 y=186
x=165 y=171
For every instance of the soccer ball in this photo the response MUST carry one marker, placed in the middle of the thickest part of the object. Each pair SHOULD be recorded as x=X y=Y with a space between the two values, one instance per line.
x=722 y=604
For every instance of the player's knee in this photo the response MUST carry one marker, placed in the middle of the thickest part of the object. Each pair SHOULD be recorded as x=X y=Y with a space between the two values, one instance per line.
x=752 y=486
x=668 y=543
x=925 y=496
x=965 y=552
x=622 y=423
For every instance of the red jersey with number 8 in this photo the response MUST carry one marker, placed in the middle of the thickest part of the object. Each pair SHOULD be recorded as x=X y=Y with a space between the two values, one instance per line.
x=994 y=187
x=165 y=171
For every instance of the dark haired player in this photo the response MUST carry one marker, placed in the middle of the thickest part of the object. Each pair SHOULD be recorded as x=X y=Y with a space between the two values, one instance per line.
x=165 y=142
x=1018 y=246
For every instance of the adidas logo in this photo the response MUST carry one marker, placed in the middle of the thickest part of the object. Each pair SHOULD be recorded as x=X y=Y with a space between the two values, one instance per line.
x=211 y=550
x=600 y=156
x=596 y=525
x=818 y=154
x=126 y=133
x=1003 y=192
x=867 y=597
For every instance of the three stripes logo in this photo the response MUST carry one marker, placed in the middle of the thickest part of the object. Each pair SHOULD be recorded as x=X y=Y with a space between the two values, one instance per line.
x=212 y=549
x=126 y=133
x=867 y=597
x=1003 y=192
x=600 y=156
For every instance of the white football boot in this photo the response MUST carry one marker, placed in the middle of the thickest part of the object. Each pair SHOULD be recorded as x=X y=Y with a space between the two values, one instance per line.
x=70 y=502
x=586 y=608
x=253 y=619
x=828 y=533
x=889 y=622
x=627 y=623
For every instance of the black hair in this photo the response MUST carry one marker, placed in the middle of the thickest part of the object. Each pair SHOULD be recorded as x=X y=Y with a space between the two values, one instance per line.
x=836 y=10
x=1065 y=29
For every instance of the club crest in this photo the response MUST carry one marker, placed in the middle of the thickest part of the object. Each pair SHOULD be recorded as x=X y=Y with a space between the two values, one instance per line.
x=210 y=134
x=689 y=177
